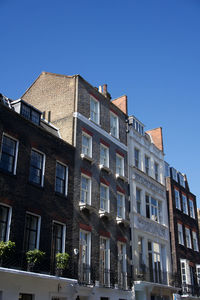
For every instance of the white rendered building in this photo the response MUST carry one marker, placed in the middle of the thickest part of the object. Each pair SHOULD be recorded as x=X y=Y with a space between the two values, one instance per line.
x=151 y=257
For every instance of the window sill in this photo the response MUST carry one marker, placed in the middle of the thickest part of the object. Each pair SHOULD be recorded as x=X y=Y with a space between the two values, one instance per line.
x=84 y=206
x=122 y=221
x=104 y=214
x=86 y=157
x=121 y=177
x=102 y=167
x=98 y=124
x=7 y=173
x=116 y=137
x=36 y=185
x=60 y=195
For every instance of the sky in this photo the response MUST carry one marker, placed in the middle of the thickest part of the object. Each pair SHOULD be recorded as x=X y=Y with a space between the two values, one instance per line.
x=146 y=49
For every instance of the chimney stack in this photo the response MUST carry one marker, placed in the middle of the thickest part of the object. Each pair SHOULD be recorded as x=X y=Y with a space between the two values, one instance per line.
x=105 y=90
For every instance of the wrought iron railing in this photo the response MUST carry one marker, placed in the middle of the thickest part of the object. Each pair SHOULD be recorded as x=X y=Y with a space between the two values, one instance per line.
x=84 y=274
x=153 y=275
x=104 y=277
x=192 y=290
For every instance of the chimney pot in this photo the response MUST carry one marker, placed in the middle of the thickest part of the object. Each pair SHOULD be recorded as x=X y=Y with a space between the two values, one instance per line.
x=100 y=89
x=105 y=89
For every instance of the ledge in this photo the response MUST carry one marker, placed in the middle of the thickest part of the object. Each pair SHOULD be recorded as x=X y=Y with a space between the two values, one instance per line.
x=102 y=167
x=84 y=206
x=104 y=214
x=121 y=177
x=86 y=157
x=122 y=221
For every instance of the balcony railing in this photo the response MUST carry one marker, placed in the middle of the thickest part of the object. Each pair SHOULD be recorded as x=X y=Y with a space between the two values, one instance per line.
x=104 y=278
x=192 y=290
x=84 y=274
x=153 y=275
x=122 y=281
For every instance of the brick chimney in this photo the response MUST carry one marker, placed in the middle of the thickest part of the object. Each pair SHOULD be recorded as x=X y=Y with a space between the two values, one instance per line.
x=103 y=90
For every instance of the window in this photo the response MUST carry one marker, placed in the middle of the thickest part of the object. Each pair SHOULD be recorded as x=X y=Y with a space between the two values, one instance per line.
x=30 y=114
x=153 y=209
x=141 y=253
x=188 y=238
x=147 y=165
x=198 y=274
x=120 y=206
x=85 y=189
x=104 y=198
x=156 y=168
x=104 y=156
x=122 y=280
x=86 y=144
x=191 y=207
x=177 y=198
x=61 y=178
x=155 y=262
x=25 y=296
x=32 y=232
x=174 y=174
x=94 y=110
x=119 y=165
x=104 y=261
x=183 y=271
x=184 y=203
x=58 y=242
x=37 y=167
x=5 y=219
x=181 y=179
x=84 y=256
x=180 y=234
x=8 y=158
x=195 y=241
x=138 y=200
x=114 y=125
x=137 y=153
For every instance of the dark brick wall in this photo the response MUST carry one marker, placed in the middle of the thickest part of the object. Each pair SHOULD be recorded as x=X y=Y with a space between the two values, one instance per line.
x=17 y=191
x=175 y=215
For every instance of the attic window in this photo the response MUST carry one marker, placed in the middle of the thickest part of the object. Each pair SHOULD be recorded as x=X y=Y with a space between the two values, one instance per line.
x=30 y=114
x=138 y=127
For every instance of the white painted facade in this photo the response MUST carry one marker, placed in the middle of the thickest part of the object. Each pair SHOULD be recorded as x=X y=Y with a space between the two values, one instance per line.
x=151 y=256
x=45 y=287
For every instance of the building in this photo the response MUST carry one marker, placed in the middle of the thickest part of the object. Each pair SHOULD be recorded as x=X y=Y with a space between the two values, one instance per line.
x=96 y=127
x=149 y=217
x=184 y=233
x=36 y=203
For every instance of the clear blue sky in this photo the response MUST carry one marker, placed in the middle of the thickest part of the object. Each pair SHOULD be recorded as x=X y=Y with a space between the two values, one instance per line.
x=147 y=49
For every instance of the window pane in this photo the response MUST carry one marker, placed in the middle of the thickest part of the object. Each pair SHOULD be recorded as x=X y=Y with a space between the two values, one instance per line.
x=8 y=154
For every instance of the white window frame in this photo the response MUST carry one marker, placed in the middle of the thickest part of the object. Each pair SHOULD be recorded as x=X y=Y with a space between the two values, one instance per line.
x=114 y=116
x=194 y=238
x=156 y=171
x=191 y=208
x=105 y=257
x=16 y=151
x=42 y=169
x=123 y=254
x=180 y=234
x=63 y=234
x=107 y=199
x=97 y=121
x=122 y=206
x=38 y=227
x=137 y=165
x=88 y=200
x=181 y=180
x=184 y=273
x=121 y=159
x=88 y=243
x=138 y=201
x=147 y=164
x=157 y=209
x=188 y=235
x=106 y=157
x=174 y=174
x=198 y=274
x=8 y=221
x=66 y=178
x=184 y=204
x=177 y=198
x=89 y=137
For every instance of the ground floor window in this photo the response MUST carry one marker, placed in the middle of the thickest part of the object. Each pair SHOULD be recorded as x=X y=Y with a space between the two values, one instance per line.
x=25 y=297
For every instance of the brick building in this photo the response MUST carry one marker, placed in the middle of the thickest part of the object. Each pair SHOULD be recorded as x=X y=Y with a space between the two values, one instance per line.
x=96 y=127
x=184 y=233
x=36 y=202
x=149 y=218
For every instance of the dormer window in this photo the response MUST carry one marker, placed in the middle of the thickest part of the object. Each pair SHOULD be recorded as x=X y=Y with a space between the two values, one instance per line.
x=30 y=114
x=138 y=126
